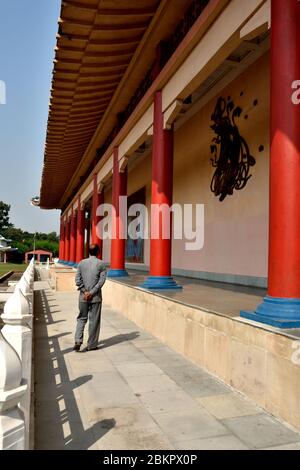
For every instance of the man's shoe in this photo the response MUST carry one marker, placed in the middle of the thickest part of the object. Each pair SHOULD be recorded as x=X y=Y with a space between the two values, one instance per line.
x=77 y=347
x=90 y=349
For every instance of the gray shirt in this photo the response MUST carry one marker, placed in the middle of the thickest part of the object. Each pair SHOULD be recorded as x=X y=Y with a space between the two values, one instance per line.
x=90 y=277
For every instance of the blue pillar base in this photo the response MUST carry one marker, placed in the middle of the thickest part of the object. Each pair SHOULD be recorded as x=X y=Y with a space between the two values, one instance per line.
x=117 y=273
x=160 y=283
x=278 y=312
x=68 y=263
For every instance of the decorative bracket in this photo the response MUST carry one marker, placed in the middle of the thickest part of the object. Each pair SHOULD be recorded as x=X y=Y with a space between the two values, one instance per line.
x=100 y=187
x=258 y=24
x=150 y=131
x=172 y=113
x=123 y=163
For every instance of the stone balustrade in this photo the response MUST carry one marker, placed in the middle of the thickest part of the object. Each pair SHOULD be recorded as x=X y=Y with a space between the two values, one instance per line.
x=16 y=365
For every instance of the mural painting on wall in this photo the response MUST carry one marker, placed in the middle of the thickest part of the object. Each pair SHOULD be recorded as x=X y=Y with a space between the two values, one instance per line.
x=135 y=244
x=231 y=155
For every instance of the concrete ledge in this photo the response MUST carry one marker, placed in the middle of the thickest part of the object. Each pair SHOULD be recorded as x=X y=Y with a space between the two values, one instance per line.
x=238 y=279
x=259 y=361
x=5 y=276
x=4 y=296
x=62 y=279
x=250 y=281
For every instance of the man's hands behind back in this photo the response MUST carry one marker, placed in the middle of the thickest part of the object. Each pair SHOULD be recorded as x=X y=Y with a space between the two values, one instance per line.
x=87 y=296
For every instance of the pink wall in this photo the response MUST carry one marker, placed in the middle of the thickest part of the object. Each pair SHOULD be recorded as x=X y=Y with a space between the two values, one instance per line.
x=236 y=230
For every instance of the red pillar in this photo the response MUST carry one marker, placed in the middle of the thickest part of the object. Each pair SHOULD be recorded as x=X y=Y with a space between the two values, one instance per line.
x=97 y=201
x=161 y=193
x=73 y=238
x=284 y=260
x=62 y=240
x=80 y=232
x=118 y=243
x=88 y=235
x=67 y=242
x=282 y=305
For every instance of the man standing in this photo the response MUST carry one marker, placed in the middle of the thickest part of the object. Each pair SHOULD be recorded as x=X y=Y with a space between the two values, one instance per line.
x=90 y=277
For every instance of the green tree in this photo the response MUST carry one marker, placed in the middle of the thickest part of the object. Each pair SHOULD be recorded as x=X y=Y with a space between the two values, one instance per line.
x=47 y=245
x=53 y=237
x=22 y=247
x=23 y=240
x=4 y=216
x=12 y=233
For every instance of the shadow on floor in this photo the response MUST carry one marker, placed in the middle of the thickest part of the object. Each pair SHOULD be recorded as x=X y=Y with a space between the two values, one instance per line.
x=58 y=423
x=106 y=343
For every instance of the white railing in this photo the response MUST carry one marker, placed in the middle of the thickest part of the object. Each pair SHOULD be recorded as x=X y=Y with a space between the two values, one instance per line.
x=16 y=365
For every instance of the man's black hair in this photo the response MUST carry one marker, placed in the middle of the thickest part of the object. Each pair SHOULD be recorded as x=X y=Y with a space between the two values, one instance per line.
x=94 y=249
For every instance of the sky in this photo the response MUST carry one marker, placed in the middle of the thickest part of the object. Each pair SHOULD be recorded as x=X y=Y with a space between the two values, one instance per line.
x=28 y=31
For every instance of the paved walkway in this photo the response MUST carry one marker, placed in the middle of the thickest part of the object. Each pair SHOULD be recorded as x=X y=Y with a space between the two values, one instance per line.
x=134 y=393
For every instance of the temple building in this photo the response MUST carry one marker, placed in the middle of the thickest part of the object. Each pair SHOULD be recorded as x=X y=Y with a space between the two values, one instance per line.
x=5 y=249
x=185 y=102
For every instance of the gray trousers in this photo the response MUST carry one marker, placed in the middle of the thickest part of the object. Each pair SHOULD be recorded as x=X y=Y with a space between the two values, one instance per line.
x=91 y=312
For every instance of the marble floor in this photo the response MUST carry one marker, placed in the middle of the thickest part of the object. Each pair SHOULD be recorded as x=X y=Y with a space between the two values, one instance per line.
x=134 y=392
x=218 y=297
